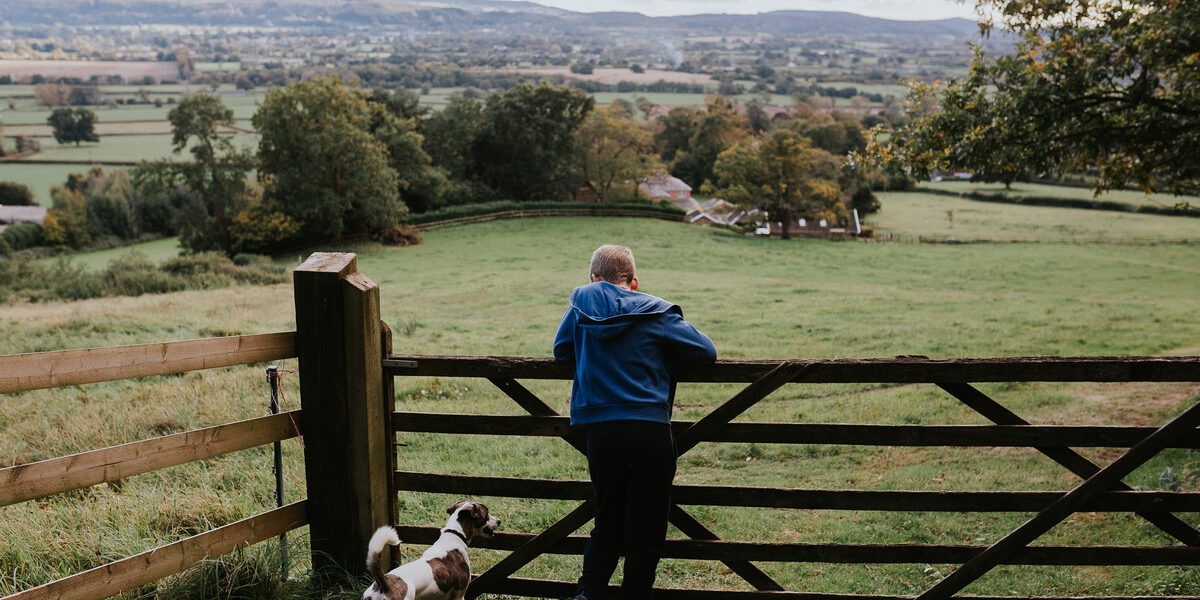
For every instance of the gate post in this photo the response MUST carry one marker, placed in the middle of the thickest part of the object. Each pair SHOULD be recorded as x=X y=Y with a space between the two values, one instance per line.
x=338 y=341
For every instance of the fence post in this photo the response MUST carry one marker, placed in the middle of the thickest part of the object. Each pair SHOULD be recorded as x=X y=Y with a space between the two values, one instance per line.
x=339 y=345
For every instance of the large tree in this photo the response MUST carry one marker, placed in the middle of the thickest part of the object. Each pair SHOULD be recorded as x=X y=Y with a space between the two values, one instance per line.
x=527 y=141
x=216 y=174
x=320 y=163
x=614 y=148
x=422 y=186
x=781 y=175
x=1111 y=86
x=690 y=139
x=73 y=125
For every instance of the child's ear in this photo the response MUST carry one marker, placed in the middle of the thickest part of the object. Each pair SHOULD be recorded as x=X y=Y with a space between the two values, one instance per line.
x=633 y=284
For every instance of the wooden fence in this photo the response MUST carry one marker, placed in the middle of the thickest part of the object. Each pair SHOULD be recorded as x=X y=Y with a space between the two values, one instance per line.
x=20 y=483
x=1101 y=489
x=347 y=372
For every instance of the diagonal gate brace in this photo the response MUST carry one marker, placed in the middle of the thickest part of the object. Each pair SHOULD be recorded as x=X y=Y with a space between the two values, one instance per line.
x=1069 y=503
x=678 y=516
x=1072 y=460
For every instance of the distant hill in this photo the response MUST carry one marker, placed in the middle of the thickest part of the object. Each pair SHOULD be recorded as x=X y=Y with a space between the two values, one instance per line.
x=439 y=15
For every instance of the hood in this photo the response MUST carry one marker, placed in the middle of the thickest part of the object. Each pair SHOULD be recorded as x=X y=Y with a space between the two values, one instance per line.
x=607 y=310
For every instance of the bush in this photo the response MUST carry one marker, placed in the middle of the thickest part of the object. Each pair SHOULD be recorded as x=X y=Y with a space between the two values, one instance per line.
x=15 y=194
x=260 y=229
x=213 y=269
x=400 y=236
x=71 y=281
x=20 y=236
x=864 y=201
x=133 y=275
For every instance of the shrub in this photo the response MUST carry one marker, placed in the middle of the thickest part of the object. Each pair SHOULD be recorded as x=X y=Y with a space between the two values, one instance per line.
x=213 y=269
x=400 y=236
x=133 y=275
x=15 y=194
x=71 y=281
x=260 y=229
x=20 y=236
x=864 y=200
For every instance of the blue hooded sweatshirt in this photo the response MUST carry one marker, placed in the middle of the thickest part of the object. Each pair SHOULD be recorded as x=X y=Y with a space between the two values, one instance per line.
x=626 y=346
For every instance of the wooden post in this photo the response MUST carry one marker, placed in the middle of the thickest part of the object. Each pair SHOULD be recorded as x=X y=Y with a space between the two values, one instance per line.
x=338 y=341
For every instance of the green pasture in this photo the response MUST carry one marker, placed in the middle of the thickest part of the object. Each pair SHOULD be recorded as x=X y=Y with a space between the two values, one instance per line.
x=1022 y=190
x=157 y=251
x=40 y=178
x=916 y=214
x=122 y=148
x=501 y=288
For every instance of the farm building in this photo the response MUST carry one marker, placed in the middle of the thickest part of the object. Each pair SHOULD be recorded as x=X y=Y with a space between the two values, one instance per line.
x=21 y=214
x=665 y=187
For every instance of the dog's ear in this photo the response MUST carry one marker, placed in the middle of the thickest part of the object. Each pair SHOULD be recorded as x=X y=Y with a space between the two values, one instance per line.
x=451 y=510
x=479 y=512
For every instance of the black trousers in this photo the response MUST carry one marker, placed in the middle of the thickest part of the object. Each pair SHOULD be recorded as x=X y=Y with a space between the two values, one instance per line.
x=632 y=464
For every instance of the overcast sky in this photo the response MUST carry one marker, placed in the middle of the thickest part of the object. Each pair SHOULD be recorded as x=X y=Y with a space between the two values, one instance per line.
x=908 y=10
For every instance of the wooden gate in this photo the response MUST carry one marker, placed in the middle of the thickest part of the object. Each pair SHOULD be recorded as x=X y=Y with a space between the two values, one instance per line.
x=1100 y=490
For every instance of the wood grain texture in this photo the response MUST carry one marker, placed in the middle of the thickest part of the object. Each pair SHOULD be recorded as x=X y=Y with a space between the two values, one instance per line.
x=811 y=433
x=152 y=565
x=39 y=370
x=847 y=370
x=57 y=475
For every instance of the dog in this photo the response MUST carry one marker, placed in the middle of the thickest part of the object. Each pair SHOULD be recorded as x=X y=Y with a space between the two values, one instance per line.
x=443 y=571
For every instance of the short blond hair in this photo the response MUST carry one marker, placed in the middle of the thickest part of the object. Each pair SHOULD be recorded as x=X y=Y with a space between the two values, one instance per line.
x=613 y=264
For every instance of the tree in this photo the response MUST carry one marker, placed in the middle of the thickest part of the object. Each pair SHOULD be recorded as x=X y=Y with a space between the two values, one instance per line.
x=321 y=165
x=779 y=176
x=216 y=173
x=450 y=135
x=73 y=125
x=15 y=194
x=525 y=147
x=690 y=139
x=1110 y=86
x=66 y=219
x=614 y=148
x=51 y=94
x=422 y=186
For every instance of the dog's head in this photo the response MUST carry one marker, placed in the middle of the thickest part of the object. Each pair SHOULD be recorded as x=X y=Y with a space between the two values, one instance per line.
x=473 y=518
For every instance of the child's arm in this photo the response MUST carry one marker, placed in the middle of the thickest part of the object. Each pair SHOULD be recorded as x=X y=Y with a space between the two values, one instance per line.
x=687 y=344
x=564 y=340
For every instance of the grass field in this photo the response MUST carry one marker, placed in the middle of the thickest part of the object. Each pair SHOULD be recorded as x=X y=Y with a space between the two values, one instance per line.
x=500 y=288
x=157 y=251
x=40 y=178
x=938 y=216
x=122 y=148
x=1020 y=190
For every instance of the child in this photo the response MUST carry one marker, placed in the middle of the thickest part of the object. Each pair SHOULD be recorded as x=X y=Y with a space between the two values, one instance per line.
x=626 y=346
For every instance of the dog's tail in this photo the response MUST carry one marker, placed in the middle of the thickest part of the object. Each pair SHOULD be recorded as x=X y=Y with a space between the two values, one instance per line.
x=384 y=536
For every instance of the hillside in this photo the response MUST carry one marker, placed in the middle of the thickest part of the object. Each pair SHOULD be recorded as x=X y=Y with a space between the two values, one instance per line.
x=457 y=15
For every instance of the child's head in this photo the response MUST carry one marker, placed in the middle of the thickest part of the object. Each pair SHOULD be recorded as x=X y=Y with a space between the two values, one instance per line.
x=614 y=264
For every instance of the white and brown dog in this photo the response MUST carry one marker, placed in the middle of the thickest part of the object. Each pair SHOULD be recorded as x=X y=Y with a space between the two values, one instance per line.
x=443 y=571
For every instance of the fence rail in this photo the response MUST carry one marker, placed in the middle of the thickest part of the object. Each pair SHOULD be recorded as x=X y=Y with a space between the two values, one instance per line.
x=163 y=561
x=846 y=370
x=56 y=475
x=1101 y=490
x=39 y=370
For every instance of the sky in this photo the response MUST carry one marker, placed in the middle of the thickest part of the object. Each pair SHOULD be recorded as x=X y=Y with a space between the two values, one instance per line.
x=907 y=10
